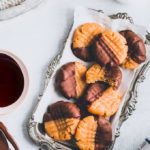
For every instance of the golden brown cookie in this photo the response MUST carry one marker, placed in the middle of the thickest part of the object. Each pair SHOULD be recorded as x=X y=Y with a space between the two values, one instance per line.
x=70 y=79
x=61 y=120
x=110 y=75
x=136 y=52
x=83 y=38
x=110 y=48
x=93 y=133
x=101 y=99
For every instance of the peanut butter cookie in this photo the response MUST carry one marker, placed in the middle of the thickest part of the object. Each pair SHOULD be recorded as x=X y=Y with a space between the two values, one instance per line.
x=93 y=133
x=110 y=75
x=102 y=100
x=136 y=52
x=70 y=79
x=83 y=38
x=110 y=48
x=61 y=120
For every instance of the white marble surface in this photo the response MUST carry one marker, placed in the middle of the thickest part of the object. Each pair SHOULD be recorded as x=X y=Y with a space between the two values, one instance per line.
x=39 y=34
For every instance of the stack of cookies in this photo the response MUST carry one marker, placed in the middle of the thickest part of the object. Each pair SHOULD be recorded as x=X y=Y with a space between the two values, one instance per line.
x=94 y=89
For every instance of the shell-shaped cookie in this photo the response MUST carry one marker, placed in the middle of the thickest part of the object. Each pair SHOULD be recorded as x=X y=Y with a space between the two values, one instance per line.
x=93 y=133
x=61 y=120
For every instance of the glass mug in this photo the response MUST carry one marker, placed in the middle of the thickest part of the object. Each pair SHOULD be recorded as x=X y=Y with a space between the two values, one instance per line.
x=14 y=82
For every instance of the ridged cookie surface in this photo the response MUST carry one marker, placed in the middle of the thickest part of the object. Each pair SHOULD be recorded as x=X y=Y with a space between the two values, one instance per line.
x=102 y=100
x=110 y=48
x=93 y=133
x=61 y=120
x=83 y=38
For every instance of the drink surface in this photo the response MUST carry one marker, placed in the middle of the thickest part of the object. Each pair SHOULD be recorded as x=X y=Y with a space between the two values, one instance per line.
x=11 y=81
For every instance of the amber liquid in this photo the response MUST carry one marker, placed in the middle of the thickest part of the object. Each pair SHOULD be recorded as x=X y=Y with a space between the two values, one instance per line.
x=11 y=81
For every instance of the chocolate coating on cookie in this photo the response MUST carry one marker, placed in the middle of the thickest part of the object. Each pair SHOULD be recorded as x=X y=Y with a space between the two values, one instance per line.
x=81 y=104
x=70 y=80
x=83 y=53
x=103 y=136
x=114 y=75
x=93 y=133
x=102 y=52
x=63 y=109
x=94 y=91
x=107 y=104
x=137 y=50
x=60 y=110
x=83 y=38
x=109 y=48
x=107 y=74
x=65 y=80
x=47 y=117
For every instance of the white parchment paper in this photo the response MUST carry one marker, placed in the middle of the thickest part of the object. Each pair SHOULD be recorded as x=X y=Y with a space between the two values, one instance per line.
x=81 y=16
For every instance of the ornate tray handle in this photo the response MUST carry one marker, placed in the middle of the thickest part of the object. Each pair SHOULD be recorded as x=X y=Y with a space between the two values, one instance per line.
x=127 y=110
x=122 y=16
x=134 y=92
x=130 y=105
x=32 y=125
x=148 y=38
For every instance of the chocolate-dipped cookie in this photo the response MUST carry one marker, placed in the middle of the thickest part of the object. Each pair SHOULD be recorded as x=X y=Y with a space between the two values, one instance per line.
x=70 y=79
x=83 y=38
x=110 y=75
x=93 y=133
x=110 y=48
x=102 y=100
x=61 y=120
x=137 y=51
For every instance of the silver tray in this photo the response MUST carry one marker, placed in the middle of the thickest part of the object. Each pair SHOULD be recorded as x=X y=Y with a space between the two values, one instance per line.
x=127 y=109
